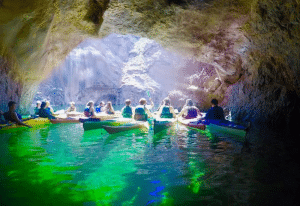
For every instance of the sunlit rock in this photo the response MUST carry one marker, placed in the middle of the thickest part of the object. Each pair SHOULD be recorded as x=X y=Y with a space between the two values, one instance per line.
x=114 y=69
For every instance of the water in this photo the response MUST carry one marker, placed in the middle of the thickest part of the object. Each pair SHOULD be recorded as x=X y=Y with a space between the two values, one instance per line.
x=63 y=165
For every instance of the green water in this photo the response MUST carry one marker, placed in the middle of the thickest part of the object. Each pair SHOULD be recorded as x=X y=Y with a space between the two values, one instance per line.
x=63 y=165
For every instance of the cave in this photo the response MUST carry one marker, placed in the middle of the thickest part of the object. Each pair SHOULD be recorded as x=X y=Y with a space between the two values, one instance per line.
x=249 y=52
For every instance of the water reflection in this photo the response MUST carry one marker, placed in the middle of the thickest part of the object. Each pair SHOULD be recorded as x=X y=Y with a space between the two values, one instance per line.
x=63 y=165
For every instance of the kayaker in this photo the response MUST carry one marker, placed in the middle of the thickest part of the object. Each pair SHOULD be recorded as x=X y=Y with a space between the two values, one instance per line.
x=215 y=112
x=72 y=107
x=166 y=111
x=127 y=110
x=37 y=108
x=109 y=108
x=142 y=112
x=49 y=108
x=89 y=110
x=12 y=115
x=189 y=111
x=44 y=112
x=101 y=107
x=2 y=119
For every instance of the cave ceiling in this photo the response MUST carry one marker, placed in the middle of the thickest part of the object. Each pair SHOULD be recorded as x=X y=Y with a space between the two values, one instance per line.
x=36 y=35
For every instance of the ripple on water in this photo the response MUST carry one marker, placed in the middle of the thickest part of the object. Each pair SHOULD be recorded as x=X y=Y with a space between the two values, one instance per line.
x=95 y=168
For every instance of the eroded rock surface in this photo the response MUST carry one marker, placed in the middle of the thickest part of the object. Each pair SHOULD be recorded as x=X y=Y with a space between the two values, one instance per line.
x=114 y=69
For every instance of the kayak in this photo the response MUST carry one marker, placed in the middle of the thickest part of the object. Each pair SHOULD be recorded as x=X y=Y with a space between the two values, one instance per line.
x=64 y=120
x=225 y=128
x=193 y=123
x=161 y=124
x=99 y=117
x=92 y=124
x=37 y=122
x=141 y=125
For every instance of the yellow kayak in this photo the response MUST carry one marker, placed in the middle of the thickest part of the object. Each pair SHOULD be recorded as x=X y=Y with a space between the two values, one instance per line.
x=37 y=122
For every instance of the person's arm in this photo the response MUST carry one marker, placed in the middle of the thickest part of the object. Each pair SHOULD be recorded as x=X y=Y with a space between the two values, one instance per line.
x=92 y=111
x=208 y=114
x=182 y=111
x=159 y=111
x=152 y=104
x=18 y=121
x=112 y=110
x=198 y=112
x=133 y=112
x=222 y=113
x=148 y=111
x=51 y=110
x=172 y=111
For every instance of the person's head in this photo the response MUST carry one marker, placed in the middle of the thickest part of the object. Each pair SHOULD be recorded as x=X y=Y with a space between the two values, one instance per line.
x=90 y=104
x=47 y=103
x=214 y=102
x=38 y=103
x=109 y=105
x=143 y=101
x=101 y=104
x=189 y=102
x=43 y=105
x=127 y=102
x=12 y=105
x=72 y=104
x=167 y=102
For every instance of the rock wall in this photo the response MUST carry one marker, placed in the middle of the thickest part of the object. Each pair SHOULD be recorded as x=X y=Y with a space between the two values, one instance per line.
x=268 y=95
x=10 y=88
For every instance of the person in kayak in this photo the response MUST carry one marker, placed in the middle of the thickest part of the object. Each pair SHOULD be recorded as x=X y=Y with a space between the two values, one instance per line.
x=2 y=119
x=72 y=107
x=127 y=109
x=109 y=108
x=100 y=108
x=37 y=108
x=189 y=111
x=215 y=112
x=142 y=112
x=45 y=112
x=49 y=108
x=12 y=115
x=89 y=110
x=166 y=111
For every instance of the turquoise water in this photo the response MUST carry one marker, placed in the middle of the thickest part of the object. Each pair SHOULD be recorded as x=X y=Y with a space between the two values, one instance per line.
x=63 y=165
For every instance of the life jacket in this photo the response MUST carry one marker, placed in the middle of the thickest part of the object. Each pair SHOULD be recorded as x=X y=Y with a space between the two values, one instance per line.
x=98 y=109
x=87 y=112
x=140 y=113
x=45 y=113
x=127 y=112
x=36 y=110
x=7 y=116
x=166 y=112
x=191 y=113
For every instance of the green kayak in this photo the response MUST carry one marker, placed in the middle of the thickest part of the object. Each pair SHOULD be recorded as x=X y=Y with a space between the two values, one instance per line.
x=91 y=124
x=141 y=125
x=161 y=124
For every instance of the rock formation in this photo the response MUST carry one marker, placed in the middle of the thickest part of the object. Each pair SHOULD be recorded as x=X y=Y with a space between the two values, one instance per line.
x=116 y=68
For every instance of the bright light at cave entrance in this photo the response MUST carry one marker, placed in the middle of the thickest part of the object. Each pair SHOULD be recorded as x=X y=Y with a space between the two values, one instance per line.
x=192 y=87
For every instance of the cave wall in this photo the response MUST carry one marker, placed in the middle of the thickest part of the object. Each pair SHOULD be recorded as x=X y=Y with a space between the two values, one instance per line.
x=268 y=94
x=36 y=35
x=11 y=88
